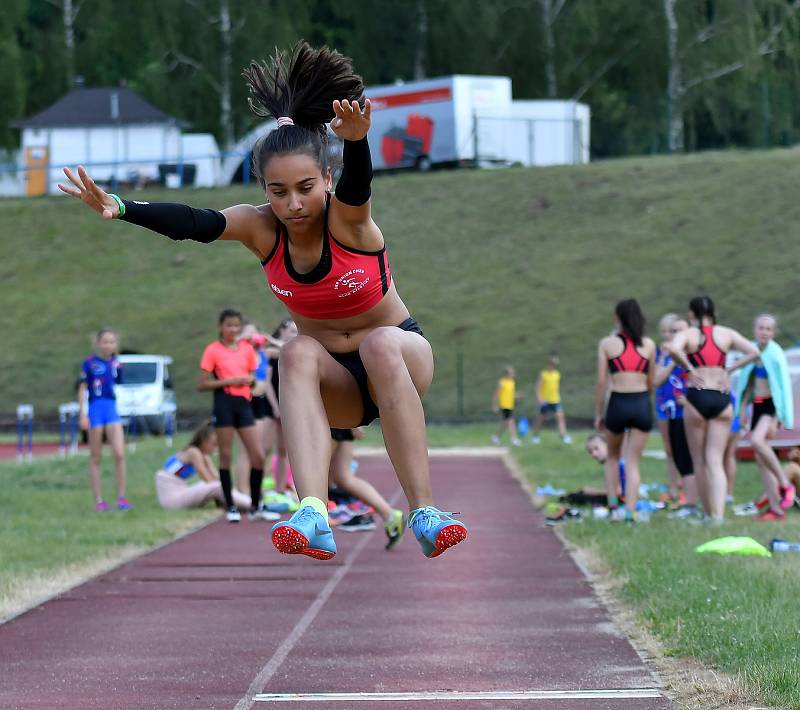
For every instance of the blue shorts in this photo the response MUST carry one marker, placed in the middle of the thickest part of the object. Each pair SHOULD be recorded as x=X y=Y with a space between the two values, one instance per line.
x=103 y=412
x=550 y=407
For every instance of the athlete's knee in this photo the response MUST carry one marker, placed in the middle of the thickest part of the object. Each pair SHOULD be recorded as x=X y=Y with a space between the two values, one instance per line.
x=298 y=357
x=382 y=345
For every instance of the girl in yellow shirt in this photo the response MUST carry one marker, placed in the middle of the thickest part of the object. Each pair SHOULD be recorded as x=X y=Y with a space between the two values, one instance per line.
x=548 y=392
x=505 y=398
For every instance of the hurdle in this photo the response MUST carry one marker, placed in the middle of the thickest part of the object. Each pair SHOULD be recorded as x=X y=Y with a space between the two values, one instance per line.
x=24 y=426
x=68 y=424
x=169 y=423
x=133 y=429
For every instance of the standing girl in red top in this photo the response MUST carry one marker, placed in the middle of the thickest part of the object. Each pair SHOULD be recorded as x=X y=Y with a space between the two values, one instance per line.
x=625 y=363
x=232 y=363
x=701 y=350
x=359 y=354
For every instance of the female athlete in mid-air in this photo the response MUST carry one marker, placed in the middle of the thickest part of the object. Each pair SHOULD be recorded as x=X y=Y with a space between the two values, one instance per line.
x=359 y=354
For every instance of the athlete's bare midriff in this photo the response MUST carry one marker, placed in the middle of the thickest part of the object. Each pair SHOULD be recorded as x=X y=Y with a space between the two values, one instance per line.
x=344 y=335
x=710 y=378
x=628 y=382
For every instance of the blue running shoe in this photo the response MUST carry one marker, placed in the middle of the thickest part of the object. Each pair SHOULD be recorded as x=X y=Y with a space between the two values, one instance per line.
x=305 y=533
x=435 y=530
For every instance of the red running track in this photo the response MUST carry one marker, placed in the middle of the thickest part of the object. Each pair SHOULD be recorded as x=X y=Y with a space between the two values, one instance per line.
x=9 y=451
x=219 y=617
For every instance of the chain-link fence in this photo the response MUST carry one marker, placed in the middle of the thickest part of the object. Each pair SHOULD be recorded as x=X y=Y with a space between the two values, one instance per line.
x=556 y=140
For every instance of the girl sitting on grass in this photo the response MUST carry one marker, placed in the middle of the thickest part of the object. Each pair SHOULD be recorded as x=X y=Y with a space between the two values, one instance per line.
x=172 y=479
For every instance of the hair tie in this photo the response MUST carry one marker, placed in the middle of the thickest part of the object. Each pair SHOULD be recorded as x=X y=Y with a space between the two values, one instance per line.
x=285 y=121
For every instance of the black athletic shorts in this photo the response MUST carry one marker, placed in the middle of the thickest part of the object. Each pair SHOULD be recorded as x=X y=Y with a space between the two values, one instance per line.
x=261 y=407
x=764 y=408
x=709 y=403
x=629 y=410
x=342 y=435
x=507 y=413
x=230 y=410
x=352 y=361
x=680 y=447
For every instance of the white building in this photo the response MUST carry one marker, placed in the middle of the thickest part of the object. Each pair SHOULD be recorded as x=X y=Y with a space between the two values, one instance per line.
x=118 y=136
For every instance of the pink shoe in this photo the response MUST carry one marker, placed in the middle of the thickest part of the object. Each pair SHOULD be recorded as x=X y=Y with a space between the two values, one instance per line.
x=787 y=497
x=101 y=507
x=771 y=517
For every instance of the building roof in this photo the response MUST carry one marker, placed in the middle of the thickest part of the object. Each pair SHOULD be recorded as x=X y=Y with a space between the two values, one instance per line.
x=97 y=107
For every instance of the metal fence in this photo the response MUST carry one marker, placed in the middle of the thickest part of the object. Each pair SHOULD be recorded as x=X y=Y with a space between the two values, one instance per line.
x=531 y=141
x=205 y=170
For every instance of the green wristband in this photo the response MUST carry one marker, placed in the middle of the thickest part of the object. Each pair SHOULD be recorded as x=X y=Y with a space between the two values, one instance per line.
x=119 y=201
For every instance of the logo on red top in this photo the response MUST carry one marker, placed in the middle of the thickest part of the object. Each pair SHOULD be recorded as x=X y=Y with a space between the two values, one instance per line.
x=281 y=292
x=351 y=282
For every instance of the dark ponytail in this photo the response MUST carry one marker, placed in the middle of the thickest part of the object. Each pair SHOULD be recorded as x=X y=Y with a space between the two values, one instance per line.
x=302 y=86
x=703 y=307
x=631 y=319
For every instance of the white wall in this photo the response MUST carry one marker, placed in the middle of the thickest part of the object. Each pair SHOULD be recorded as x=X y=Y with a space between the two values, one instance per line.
x=202 y=151
x=477 y=95
x=107 y=150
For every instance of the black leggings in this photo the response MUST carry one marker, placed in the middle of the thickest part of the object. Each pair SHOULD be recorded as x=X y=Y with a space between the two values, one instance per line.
x=709 y=403
x=629 y=410
x=680 y=447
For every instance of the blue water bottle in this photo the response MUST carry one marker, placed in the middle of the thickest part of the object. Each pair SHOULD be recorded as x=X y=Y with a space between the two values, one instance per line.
x=778 y=545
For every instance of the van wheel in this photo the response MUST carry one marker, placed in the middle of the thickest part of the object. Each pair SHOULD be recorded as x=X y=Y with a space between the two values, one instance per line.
x=423 y=164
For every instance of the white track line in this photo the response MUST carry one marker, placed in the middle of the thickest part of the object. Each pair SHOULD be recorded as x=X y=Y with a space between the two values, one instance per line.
x=610 y=694
x=266 y=673
x=440 y=451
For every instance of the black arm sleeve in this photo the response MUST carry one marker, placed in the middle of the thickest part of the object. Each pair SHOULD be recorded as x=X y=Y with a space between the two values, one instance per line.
x=353 y=187
x=176 y=221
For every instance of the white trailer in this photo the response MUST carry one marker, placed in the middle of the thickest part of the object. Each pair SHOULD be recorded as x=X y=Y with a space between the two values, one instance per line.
x=472 y=119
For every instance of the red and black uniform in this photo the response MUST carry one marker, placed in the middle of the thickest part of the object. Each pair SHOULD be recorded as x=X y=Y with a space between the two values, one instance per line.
x=629 y=410
x=346 y=282
x=708 y=402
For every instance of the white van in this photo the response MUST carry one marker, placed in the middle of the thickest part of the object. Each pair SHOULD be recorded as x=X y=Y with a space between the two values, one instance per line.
x=146 y=391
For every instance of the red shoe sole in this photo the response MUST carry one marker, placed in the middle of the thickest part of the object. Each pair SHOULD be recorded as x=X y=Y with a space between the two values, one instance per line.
x=290 y=542
x=448 y=536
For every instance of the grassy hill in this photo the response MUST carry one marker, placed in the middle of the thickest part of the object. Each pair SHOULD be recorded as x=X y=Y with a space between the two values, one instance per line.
x=498 y=266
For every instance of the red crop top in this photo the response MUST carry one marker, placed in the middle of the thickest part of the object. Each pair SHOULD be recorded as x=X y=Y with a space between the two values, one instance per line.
x=345 y=283
x=629 y=360
x=709 y=354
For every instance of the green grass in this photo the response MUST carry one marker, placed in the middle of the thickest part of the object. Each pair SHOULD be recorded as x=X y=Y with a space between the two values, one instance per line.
x=501 y=266
x=738 y=614
x=48 y=522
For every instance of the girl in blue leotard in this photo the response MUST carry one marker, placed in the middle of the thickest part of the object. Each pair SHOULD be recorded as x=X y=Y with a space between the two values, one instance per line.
x=99 y=373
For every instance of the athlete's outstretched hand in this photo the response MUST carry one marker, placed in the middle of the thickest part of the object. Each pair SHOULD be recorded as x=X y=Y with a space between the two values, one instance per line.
x=351 y=122
x=87 y=192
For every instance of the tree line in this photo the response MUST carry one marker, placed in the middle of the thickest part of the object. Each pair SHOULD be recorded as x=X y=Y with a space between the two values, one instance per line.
x=659 y=75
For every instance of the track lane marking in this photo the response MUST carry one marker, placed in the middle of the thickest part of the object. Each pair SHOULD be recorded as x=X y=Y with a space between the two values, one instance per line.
x=606 y=694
